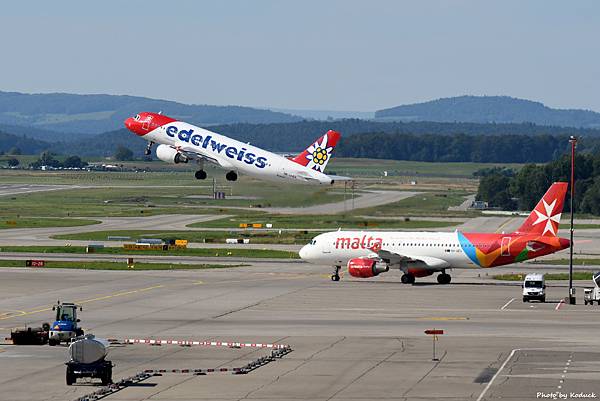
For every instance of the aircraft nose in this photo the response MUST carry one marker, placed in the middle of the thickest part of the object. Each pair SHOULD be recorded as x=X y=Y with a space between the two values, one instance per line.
x=304 y=252
x=129 y=123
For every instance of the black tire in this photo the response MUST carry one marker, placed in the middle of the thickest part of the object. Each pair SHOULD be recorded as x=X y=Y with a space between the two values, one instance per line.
x=79 y=332
x=231 y=176
x=70 y=377
x=335 y=277
x=53 y=342
x=200 y=175
x=444 y=278
x=543 y=299
x=525 y=299
x=407 y=279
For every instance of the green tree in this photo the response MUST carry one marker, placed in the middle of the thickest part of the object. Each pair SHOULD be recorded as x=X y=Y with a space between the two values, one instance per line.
x=14 y=151
x=74 y=162
x=13 y=162
x=123 y=154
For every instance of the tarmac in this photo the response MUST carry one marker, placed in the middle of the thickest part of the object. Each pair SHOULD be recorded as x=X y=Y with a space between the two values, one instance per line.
x=352 y=340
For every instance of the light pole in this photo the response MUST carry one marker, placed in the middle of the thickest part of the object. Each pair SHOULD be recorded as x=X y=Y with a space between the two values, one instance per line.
x=573 y=141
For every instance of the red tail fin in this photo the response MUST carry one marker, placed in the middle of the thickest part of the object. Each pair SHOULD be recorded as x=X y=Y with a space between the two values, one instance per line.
x=317 y=155
x=545 y=218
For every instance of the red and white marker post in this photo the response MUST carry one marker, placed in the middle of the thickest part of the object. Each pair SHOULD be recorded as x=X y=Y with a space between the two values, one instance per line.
x=434 y=333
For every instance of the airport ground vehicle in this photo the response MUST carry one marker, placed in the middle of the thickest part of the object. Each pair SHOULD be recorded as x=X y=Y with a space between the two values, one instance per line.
x=591 y=295
x=87 y=358
x=534 y=287
x=420 y=254
x=180 y=142
x=30 y=335
x=65 y=327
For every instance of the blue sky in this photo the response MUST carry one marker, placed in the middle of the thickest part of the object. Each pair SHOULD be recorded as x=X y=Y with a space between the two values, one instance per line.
x=334 y=55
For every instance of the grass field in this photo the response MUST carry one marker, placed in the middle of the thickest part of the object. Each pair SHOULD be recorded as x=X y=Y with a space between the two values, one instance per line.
x=425 y=204
x=321 y=221
x=256 y=236
x=576 y=261
x=548 y=276
x=376 y=167
x=86 y=265
x=204 y=252
x=7 y=222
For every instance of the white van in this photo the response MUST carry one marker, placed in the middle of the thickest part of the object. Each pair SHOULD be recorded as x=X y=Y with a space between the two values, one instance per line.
x=534 y=287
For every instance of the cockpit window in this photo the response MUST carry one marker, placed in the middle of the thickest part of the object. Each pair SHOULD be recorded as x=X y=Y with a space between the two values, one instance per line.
x=137 y=117
x=313 y=242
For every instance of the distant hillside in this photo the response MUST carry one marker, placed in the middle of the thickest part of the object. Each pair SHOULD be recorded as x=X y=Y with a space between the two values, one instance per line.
x=294 y=137
x=92 y=114
x=490 y=109
x=26 y=145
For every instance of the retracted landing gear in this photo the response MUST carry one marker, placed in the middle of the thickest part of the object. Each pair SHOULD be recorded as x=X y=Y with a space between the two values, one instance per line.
x=336 y=274
x=231 y=176
x=407 y=278
x=148 y=150
x=444 y=278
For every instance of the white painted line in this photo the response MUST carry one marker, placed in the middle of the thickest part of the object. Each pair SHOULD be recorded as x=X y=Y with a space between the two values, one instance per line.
x=559 y=304
x=497 y=373
x=508 y=303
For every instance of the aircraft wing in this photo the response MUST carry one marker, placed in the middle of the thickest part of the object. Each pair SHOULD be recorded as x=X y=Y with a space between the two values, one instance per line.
x=393 y=258
x=193 y=154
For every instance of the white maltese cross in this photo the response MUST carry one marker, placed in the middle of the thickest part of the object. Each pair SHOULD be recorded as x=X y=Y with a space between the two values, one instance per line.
x=548 y=218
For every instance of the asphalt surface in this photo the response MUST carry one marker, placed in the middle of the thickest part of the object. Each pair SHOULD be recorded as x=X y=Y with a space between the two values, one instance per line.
x=352 y=340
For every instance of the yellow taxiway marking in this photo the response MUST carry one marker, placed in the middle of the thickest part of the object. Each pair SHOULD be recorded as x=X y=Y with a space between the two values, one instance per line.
x=503 y=224
x=198 y=282
x=445 y=318
x=85 y=301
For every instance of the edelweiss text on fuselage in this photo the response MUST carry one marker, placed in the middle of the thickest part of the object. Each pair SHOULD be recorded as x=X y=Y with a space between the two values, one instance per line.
x=230 y=151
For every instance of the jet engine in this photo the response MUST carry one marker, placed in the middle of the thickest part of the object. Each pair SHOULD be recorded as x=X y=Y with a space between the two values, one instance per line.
x=170 y=155
x=365 y=268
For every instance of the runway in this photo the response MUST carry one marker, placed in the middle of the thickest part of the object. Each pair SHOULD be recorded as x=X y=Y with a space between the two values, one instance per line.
x=352 y=340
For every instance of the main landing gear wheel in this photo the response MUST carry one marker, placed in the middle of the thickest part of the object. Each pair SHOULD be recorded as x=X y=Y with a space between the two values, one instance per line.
x=148 y=149
x=336 y=274
x=200 y=175
x=231 y=176
x=444 y=278
x=407 y=279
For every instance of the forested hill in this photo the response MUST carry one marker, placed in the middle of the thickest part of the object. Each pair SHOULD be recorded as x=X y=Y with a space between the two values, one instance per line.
x=488 y=109
x=394 y=140
x=92 y=114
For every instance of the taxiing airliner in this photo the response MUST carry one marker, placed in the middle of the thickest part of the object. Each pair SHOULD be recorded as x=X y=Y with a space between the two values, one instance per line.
x=420 y=254
x=180 y=142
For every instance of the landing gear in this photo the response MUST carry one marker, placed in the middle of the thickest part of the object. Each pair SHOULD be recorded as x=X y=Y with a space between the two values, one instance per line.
x=336 y=274
x=231 y=176
x=407 y=278
x=200 y=175
x=148 y=150
x=444 y=278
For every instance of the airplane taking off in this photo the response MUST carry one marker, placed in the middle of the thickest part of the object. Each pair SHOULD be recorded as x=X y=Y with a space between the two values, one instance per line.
x=180 y=142
x=420 y=254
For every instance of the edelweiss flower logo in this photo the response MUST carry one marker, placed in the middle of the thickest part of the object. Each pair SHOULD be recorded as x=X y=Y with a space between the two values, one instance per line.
x=318 y=154
x=548 y=218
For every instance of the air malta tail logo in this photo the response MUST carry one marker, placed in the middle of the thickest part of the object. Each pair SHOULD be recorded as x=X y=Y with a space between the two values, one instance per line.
x=548 y=216
x=545 y=218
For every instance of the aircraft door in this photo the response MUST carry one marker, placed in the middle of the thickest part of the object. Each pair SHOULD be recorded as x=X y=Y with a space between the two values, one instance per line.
x=505 y=246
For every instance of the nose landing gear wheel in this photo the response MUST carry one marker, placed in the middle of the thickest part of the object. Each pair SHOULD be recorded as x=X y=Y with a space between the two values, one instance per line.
x=444 y=278
x=200 y=175
x=231 y=176
x=407 y=279
x=148 y=149
x=335 y=277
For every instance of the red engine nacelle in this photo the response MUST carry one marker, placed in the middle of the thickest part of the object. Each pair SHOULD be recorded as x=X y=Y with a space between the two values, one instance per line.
x=365 y=268
x=419 y=272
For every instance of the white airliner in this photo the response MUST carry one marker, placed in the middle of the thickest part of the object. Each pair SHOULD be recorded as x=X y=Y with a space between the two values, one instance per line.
x=420 y=254
x=180 y=142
